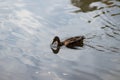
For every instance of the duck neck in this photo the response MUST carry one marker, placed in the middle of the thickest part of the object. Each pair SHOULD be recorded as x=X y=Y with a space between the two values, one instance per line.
x=61 y=44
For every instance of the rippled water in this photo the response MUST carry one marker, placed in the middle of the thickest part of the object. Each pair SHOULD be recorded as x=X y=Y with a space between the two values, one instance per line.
x=27 y=28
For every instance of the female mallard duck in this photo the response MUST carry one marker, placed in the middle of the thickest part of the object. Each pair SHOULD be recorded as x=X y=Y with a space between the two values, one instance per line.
x=72 y=43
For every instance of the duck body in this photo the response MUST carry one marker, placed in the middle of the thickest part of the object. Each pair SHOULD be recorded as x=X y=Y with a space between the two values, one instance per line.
x=74 y=42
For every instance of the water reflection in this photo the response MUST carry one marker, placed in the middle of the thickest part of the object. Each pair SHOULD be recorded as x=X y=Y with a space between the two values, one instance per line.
x=85 y=5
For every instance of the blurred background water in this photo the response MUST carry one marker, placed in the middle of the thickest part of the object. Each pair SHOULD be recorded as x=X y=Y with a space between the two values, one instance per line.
x=27 y=28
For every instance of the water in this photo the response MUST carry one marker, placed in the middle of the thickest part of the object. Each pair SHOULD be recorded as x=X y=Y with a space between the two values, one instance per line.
x=27 y=28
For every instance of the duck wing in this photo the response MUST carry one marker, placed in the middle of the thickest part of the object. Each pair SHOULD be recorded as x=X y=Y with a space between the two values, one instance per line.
x=74 y=41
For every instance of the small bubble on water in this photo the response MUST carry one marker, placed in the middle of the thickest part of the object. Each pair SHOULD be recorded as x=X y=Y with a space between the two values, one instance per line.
x=65 y=74
x=36 y=72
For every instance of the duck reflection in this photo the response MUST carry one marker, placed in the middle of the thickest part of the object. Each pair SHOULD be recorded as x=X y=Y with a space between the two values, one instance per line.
x=84 y=5
x=72 y=43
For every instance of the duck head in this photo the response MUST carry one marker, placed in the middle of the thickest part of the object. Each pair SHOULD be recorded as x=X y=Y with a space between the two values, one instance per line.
x=56 y=44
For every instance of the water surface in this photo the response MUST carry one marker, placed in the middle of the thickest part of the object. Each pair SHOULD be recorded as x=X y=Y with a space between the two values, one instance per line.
x=27 y=28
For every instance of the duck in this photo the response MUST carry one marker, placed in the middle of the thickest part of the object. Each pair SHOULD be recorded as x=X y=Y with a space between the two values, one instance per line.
x=71 y=43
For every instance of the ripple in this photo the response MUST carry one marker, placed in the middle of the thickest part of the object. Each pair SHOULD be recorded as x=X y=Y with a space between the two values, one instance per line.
x=28 y=27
